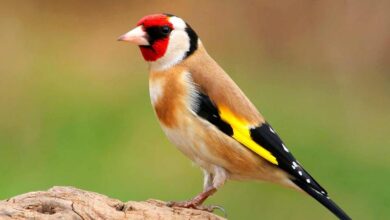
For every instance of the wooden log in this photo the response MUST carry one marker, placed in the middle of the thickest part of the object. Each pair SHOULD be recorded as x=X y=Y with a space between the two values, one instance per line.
x=77 y=204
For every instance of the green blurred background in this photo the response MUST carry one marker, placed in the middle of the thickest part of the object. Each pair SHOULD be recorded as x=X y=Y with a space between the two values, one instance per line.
x=75 y=109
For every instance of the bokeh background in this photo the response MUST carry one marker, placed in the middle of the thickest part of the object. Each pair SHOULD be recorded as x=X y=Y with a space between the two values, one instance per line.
x=75 y=109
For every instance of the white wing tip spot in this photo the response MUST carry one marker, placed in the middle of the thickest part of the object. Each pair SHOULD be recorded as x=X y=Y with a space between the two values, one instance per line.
x=272 y=130
x=285 y=148
x=300 y=173
x=294 y=165
x=308 y=180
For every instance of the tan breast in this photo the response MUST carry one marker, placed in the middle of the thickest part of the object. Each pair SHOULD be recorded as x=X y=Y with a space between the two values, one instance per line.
x=169 y=94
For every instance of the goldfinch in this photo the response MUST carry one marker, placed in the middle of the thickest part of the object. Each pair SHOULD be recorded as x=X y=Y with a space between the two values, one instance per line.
x=209 y=119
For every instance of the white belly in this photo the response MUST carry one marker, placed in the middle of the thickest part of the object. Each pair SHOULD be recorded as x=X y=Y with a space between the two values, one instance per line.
x=184 y=140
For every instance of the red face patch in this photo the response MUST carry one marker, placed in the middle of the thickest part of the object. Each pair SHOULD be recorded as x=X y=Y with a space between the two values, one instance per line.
x=158 y=46
x=154 y=20
x=155 y=51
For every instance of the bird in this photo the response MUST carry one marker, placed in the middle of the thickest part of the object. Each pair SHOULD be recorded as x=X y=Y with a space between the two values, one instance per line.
x=209 y=119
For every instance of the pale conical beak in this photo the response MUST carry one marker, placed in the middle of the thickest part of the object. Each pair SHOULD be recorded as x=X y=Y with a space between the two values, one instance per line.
x=137 y=36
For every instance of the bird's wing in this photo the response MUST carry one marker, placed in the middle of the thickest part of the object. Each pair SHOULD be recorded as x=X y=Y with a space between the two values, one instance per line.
x=222 y=103
x=259 y=138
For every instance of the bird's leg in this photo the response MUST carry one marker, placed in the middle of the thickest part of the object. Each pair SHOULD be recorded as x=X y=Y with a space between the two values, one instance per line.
x=207 y=180
x=197 y=201
x=211 y=183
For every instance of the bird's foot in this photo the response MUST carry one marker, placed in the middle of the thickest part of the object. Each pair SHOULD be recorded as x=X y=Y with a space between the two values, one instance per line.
x=197 y=201
x=194 y=205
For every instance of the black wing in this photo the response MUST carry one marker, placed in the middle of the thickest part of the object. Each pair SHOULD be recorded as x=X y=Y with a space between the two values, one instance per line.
x=266 y=136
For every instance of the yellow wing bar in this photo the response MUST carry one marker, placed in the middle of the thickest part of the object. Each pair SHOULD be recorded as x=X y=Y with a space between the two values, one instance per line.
x=241 y=133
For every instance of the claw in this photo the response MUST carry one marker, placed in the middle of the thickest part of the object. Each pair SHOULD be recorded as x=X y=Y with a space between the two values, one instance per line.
x=217 y=207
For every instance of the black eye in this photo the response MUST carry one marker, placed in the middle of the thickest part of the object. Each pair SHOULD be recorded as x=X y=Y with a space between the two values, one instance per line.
x=165 y=30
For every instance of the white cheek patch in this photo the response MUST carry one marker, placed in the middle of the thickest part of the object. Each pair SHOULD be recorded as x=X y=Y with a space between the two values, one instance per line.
x=179 y=44
x=177 y=23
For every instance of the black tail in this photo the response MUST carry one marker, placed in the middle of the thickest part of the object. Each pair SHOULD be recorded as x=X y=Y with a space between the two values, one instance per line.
x=323 y=199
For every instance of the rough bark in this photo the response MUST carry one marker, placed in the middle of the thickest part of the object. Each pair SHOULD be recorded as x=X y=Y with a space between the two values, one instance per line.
x=72 y=203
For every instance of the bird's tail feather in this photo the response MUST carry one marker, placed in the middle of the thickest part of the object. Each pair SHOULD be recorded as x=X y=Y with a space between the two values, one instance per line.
x=323 y=199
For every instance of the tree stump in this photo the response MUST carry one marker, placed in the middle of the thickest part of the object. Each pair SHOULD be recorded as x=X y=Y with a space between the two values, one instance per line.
x=77 y=204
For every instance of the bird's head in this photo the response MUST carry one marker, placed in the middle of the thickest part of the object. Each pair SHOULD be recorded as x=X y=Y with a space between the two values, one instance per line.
x=164 y=39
